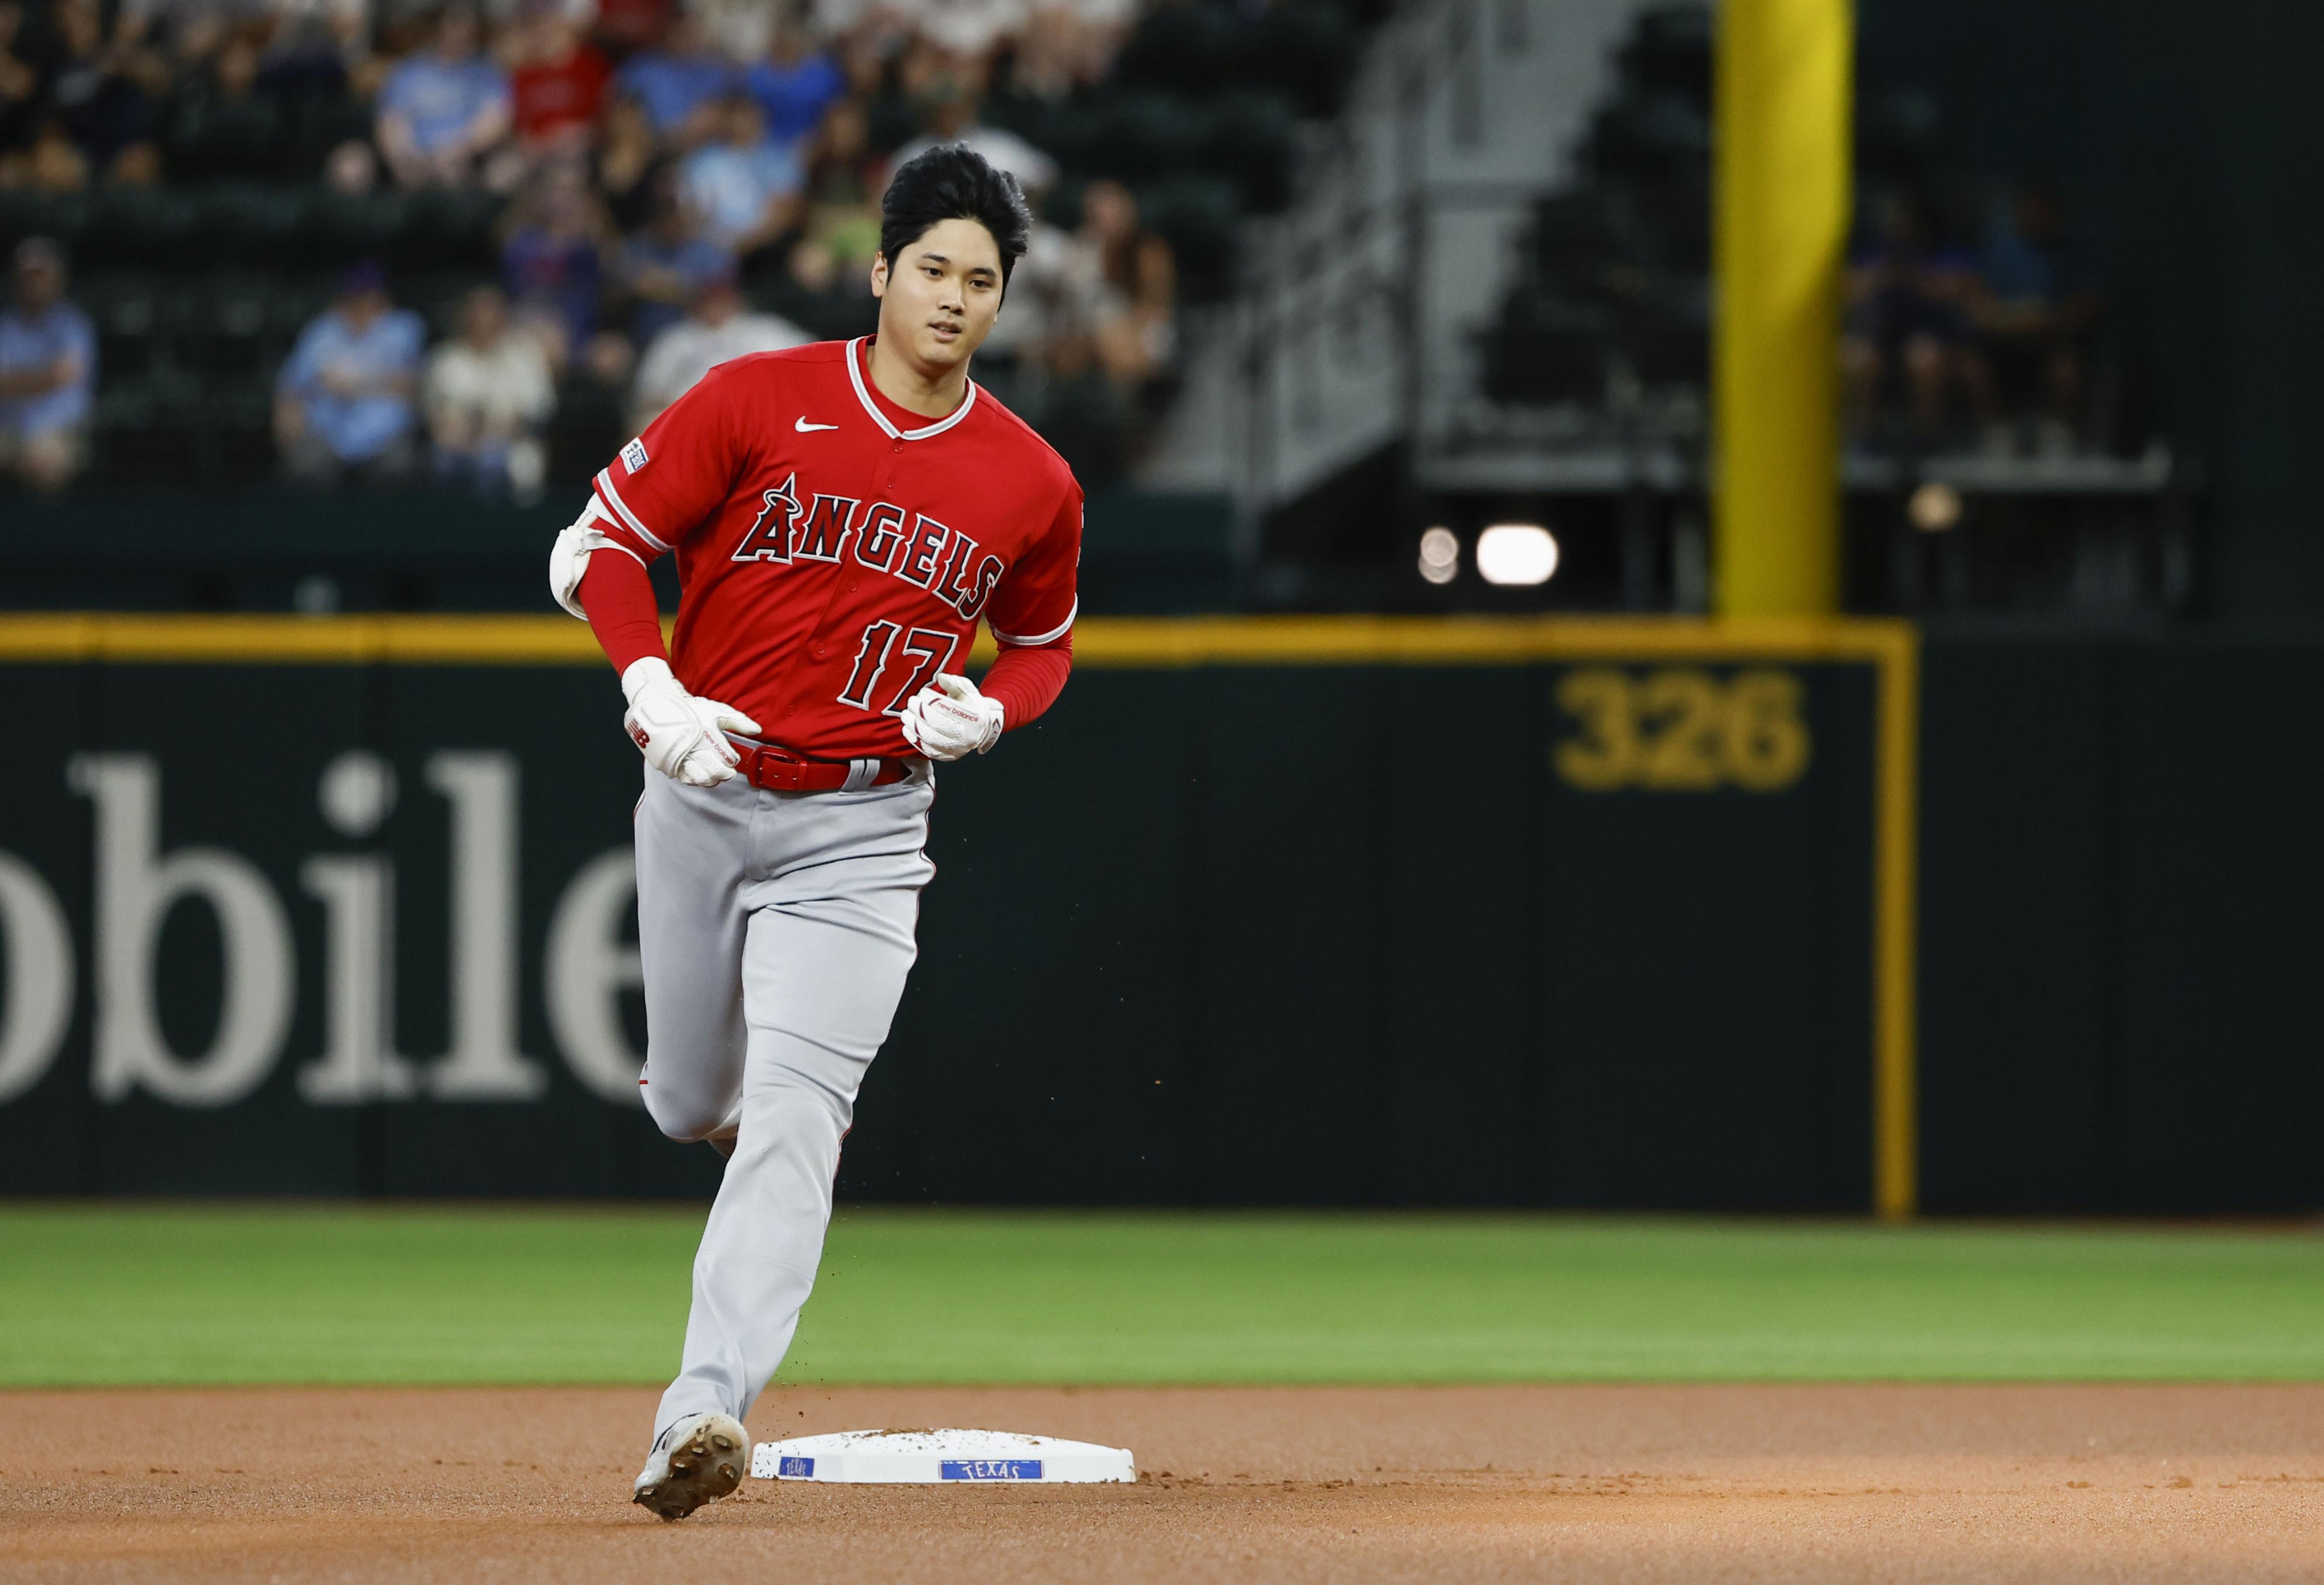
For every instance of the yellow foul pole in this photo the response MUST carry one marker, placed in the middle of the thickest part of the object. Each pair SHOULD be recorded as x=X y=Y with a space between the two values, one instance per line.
x=1780 y=199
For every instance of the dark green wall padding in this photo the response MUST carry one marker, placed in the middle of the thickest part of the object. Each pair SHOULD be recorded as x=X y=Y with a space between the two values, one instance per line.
x=1339 y=936
x=1290 y=936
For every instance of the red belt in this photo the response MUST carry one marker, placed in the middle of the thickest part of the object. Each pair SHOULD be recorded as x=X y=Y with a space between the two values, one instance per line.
x=781 y=770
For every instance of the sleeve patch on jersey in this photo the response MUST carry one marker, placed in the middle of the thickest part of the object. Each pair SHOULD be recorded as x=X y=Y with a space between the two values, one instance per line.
x=633 y=456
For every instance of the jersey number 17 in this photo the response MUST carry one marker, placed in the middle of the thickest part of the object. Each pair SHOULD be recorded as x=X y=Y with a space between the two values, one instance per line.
x=923 y=651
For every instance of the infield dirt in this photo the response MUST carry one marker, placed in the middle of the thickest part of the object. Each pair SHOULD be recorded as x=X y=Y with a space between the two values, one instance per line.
x=1567 y=1483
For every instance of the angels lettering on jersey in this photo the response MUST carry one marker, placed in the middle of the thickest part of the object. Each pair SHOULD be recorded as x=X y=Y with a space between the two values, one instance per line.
x=882 y=536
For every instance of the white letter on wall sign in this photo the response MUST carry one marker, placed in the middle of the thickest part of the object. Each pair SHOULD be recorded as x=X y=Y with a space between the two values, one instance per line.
x=356 y=793
x=39 y=978
x=587 y=968
x=359 y=1061
x=484 y=1063
x=135 y=888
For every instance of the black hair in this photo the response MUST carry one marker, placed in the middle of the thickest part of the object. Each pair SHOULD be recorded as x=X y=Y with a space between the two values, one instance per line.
x=954 y=182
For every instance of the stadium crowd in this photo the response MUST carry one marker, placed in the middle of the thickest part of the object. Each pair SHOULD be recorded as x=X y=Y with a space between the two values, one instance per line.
x=1973 y=316
x=1950 y=330
x=681 y=182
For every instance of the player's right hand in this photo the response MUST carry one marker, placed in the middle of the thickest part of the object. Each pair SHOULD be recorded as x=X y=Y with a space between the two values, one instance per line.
x=681 y=736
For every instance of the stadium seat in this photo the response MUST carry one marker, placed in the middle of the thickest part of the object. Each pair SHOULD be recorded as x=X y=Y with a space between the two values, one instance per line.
x=1898 y=139
x=308 y=228
x=1147 y=134
x=1307 y=51
x=319 y=123
x=444 y=228
x=1195 y=49
x=1198 y=215
x=219 y=327
x=291 y=302
x=61 y=217
x=236 y=224
x=232 y=433
x=1034 y=119
x=1070 y=131
x=1663 y=332
x=342 y=228
x=1585 y=243
x=284 y=226
x=126 y=310
x=1251 y=139
x=145 y=430
x=1544 y=350
x=827 y=315
x=131 y=227
x=1648 y=139
x=1669 y=53
x=892 y=119
x=435 y=296
x=210 y=138
x=1673 y=223
x=589 y=426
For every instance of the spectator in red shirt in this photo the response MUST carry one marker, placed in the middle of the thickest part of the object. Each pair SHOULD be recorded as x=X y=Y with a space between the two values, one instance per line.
x=634 y=25
x=559 y=84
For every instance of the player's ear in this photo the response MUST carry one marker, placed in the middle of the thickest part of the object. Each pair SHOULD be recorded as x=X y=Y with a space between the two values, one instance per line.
x=878 y=274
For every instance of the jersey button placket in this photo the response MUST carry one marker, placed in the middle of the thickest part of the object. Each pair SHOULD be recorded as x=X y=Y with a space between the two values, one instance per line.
x=818 y=649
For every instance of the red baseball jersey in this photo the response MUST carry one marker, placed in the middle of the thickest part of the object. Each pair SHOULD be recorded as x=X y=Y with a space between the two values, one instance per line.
x=834 y=551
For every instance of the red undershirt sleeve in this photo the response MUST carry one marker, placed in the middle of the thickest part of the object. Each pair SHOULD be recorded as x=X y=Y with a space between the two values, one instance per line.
x=622 y=612
x=1027 y=678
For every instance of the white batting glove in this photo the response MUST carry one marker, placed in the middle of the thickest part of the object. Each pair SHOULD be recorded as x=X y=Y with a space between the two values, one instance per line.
x=681 y=736
x=949 y=718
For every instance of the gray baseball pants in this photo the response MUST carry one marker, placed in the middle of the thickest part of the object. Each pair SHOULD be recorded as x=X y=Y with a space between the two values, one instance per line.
x=776 y=931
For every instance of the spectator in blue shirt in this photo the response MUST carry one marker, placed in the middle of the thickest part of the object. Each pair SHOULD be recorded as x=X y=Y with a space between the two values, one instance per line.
x=744 y=189
x=2035 y=313
x=48 y=368
x=443 y=109
x=795 y=84
x=344 y=401
x=1908 y=295
x=667 y=265
x=550 y=262
x=679 y=83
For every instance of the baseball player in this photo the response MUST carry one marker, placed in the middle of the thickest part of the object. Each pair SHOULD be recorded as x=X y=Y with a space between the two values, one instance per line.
x=844 y=514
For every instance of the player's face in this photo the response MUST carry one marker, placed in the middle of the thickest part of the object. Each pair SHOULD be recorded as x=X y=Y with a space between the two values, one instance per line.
x=937 y=303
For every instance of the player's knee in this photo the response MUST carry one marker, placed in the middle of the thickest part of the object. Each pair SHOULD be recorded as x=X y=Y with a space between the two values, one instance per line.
x=683 y=1117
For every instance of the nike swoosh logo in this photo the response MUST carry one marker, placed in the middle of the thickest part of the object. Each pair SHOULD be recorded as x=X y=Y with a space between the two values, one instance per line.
x=804 y=428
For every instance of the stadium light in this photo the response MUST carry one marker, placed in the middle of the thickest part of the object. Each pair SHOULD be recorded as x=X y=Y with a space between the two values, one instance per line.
x=1517 y=553
x=1934 y=507
x=1440 y=556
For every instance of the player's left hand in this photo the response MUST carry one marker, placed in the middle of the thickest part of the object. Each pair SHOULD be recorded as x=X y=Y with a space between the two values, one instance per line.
x=949 y=718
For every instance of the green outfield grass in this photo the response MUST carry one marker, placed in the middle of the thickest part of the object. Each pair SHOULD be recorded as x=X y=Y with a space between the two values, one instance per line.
x=330 y=1294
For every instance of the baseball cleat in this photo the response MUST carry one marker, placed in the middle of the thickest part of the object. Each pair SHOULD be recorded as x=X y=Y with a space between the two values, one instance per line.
x=698 y=1459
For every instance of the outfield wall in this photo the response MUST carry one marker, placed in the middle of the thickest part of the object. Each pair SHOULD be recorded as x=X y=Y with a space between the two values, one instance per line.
x=344 y=907
x=2122 y=925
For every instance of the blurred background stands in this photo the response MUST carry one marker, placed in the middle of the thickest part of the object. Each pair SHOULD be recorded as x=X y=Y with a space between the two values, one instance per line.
x=1310 y=279
x=1490 y=304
